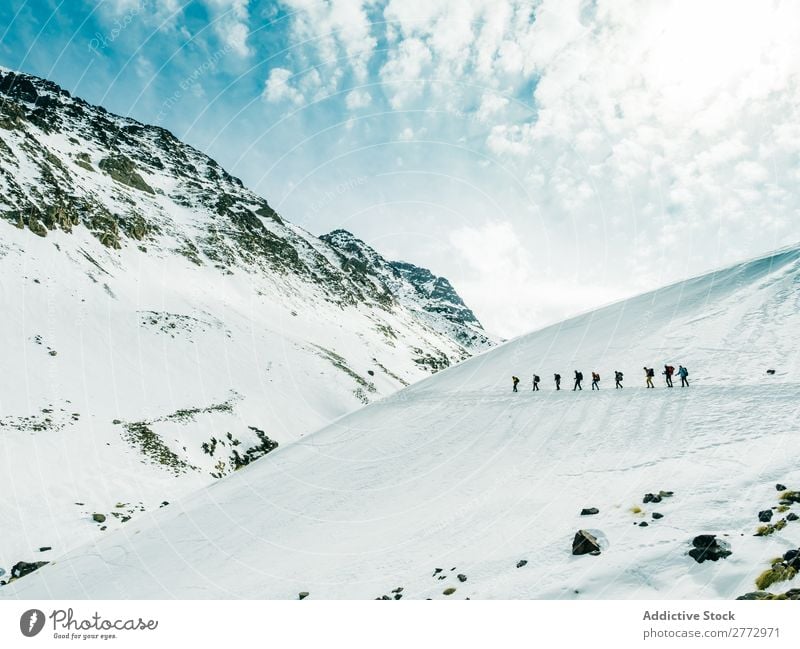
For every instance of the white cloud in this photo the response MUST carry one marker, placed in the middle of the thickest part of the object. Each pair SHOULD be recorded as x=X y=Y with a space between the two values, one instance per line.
x=231 y=23
x=278 y=88
x=358 y=99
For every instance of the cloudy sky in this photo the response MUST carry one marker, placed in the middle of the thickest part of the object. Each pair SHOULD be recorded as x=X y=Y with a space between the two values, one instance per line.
x=546 y=156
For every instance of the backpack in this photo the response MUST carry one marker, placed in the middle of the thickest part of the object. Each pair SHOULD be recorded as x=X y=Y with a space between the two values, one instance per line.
x=651 y=372
x=619 y=374
x=557 y=377
x=535 y=378
x=685 y=372
x=579 y=376
x=670 y=370
x=595 y=376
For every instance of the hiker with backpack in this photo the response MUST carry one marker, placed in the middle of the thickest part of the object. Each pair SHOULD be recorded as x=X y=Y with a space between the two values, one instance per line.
x=649 y=373
x=595 y=379
x=535 y=383
x=618 y=380
x=683 y=373
x=578 y=379
x=514 y=381
x=668 y=372
x=557 y=379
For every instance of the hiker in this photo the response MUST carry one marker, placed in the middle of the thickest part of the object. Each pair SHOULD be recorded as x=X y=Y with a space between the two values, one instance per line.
x=578 y=379
x=649 y=373
x=557 y=379
x=668 y=372
x=618 y=379
x=535 y=383
x=595 y=379
x=515 y=381
x=683 y=373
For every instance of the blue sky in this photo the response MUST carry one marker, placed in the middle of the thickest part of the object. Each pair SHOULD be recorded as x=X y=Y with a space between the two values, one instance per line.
x=546 y=156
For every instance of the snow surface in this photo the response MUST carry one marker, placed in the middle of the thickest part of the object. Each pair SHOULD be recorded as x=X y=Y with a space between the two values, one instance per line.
x=458 y=473
x=215 y=320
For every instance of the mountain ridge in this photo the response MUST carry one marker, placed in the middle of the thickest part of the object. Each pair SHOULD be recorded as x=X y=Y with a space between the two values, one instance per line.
x=166 y=326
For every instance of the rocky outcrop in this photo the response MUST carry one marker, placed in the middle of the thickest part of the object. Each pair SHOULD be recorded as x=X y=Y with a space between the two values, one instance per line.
x=707 y=547
x=585 y=543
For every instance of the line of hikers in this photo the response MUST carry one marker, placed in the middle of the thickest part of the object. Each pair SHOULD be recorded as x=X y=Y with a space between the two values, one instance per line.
x=649 y=373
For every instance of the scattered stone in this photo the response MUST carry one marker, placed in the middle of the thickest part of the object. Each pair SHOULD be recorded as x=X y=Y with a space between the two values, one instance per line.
x=585 y=543
x=656 y=515
x=590 y=511
x=765 y=516
x=398 y=596
x=780 y=487
x=770 y=372
x=522 y=562
x=164 y=503
x=384 y=597
x=436 y=571
x=45 y=548
x=791 y=516
x=708 y=548
x=792 y=558
x=643 y=524
x=80 y=504
x=22 y=568
x=442 y=577
x=399 y=589
x=99 y=518
x=52 y=352
x=462 y=578
x=666 y=494
x=448 y=591
x=302 y=595
x=793 y=593
x=651 y=498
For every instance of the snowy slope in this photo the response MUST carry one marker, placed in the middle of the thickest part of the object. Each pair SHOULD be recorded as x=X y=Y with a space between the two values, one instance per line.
x=163 y=325
x=460 y=474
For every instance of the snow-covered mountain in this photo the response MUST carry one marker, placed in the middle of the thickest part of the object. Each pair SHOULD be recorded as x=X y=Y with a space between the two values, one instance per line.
x=457 y=487
x=432 y=298
x=164 y=326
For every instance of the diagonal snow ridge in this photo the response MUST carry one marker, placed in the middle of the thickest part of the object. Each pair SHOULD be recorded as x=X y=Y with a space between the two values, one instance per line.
x=457 y=474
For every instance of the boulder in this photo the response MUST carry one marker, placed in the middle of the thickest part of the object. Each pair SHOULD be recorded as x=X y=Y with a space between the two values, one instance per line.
x=590 y=511
x=585 y=543
x=643 y=524
x=791 y=516
x=99 y=518
x=522 y=562
x=765 y=516
x=780 y=487
x=707 y=547
x=462 y=578
x=302 y=594
x=22 y=568
x=651 y=498
x=448 y=591
x=656 y=515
